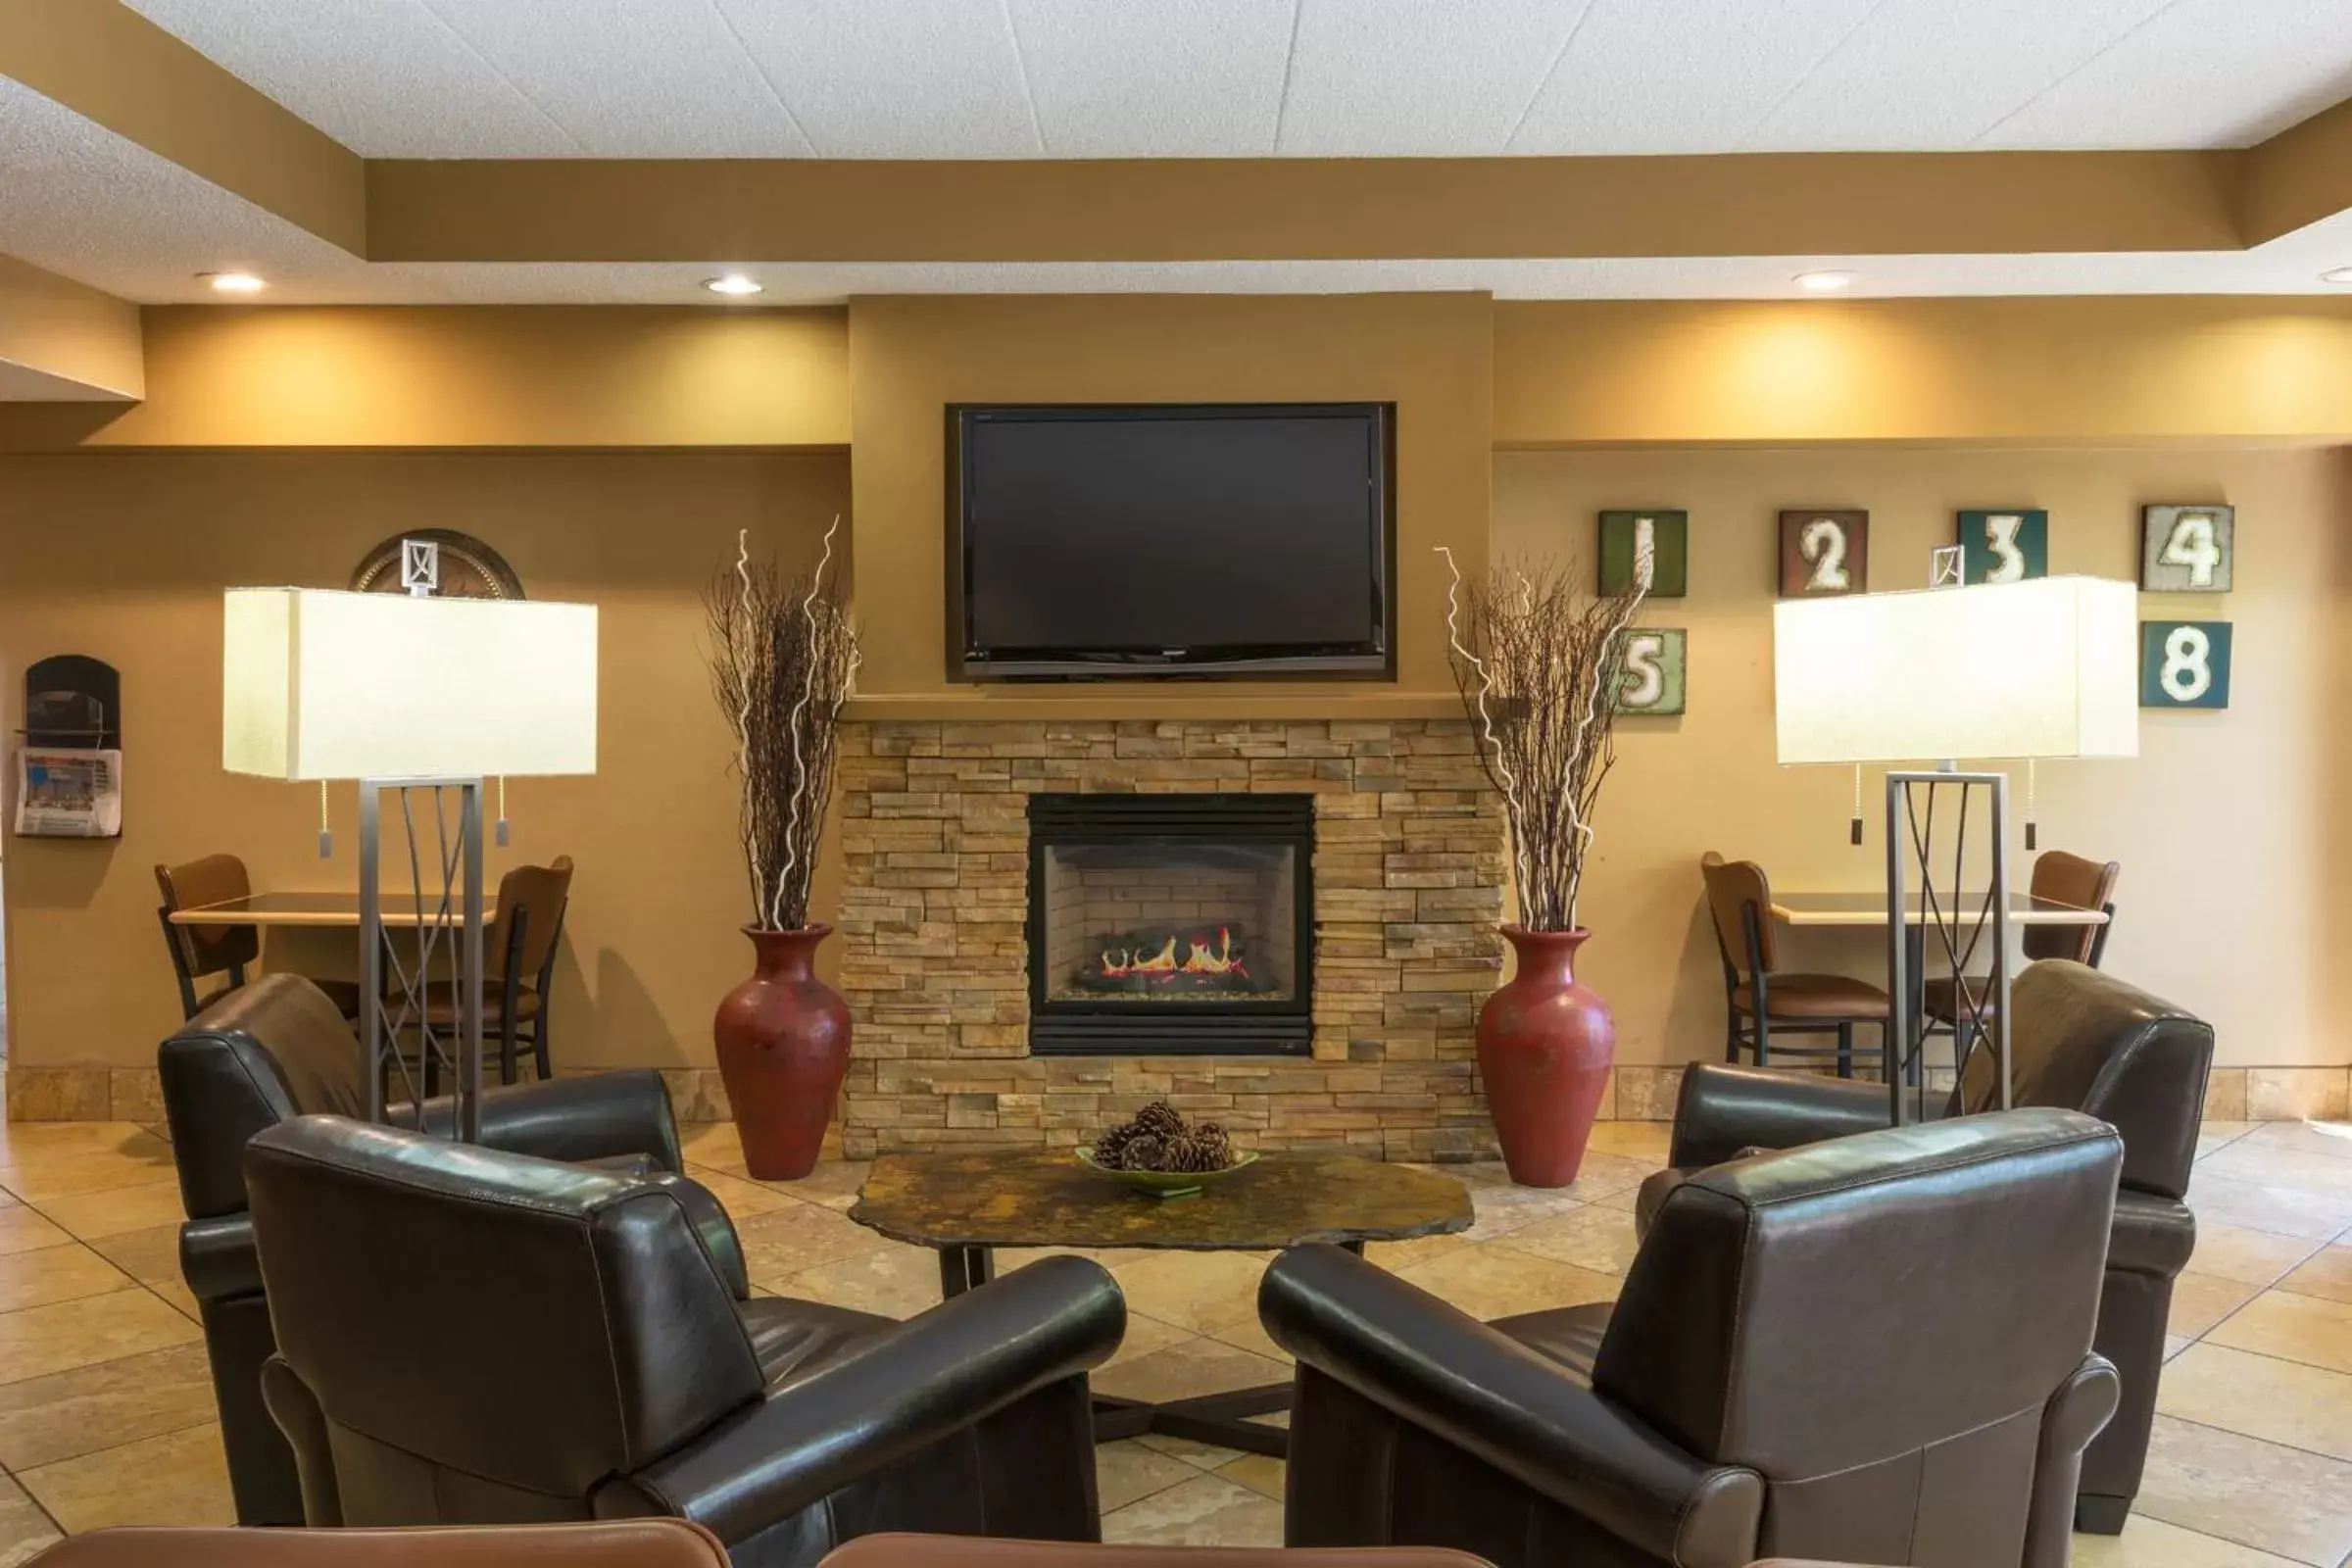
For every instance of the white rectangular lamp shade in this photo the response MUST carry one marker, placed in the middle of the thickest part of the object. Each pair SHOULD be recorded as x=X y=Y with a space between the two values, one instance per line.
x=317 y=684
x=2042 y=668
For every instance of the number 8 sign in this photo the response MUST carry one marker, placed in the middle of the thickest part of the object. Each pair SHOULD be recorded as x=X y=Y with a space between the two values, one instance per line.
x=2188 y=550
x=2185 y=664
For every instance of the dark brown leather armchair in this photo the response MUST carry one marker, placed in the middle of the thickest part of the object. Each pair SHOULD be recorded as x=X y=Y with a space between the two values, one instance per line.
x=472 y=1337
x=957 y=1552
x=276 y=1048
x=2081 y=1040
x=1876 y=1349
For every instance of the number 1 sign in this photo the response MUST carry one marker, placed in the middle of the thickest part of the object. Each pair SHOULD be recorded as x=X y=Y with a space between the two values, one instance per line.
x=2188 y=550
x=1823 y=552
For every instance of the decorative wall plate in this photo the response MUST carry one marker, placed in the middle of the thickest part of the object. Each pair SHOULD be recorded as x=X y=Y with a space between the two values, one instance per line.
x=1824 y=550
x=1664 y=533
x=2005 y=545
x=469 y=569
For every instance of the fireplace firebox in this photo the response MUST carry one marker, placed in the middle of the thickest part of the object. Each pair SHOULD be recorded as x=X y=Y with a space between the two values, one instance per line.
x=1171 y=924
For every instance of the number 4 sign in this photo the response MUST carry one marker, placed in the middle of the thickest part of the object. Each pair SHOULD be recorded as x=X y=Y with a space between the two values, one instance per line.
x=2188 y=550
x=2185 y=664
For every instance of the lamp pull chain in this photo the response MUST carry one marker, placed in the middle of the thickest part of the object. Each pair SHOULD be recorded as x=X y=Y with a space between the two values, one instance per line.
x=502 y=811
x=326 y=837
x=2033 y=829
x=1854 y=832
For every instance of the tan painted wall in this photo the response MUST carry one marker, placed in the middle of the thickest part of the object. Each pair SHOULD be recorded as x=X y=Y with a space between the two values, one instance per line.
x=59 y=339
x=2232 y=828
x=1431 y=354
x=2084 y=371
x=124 y=556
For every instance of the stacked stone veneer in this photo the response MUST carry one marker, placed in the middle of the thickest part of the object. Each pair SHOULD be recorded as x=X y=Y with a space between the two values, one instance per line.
x=1408 y=874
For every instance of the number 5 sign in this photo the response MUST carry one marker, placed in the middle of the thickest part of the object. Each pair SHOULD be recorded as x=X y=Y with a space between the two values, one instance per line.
x=1656 y=672
x=2188 y=550
x=2185 y=664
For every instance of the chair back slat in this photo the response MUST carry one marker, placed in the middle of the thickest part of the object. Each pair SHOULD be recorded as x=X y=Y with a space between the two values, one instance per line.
x=209 y=950
x=2063 y=878
x=1732 y=887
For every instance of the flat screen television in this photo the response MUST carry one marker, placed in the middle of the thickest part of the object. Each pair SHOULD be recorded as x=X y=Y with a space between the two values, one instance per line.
x=1244 y=539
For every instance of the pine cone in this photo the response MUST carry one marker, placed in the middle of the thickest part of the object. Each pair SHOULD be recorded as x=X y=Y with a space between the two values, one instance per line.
x=1143 y=1151
x=1159 y=1117
x=1109 y=1146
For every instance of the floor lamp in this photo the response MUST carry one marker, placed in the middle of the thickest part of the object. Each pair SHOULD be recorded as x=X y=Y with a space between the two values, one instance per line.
x=417 y=700
x=2027 y=671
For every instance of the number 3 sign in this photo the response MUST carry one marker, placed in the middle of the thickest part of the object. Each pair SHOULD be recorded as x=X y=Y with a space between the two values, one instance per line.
x=2188 y=550
x=2006 y=546
x=2185 y=664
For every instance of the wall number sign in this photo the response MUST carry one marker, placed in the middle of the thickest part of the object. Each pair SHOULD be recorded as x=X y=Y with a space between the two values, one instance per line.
x=2188 y=550
x=1663 y=536
x=1823 y=551
x=2004 y=546
x=1656 y=669
x=2185 y=664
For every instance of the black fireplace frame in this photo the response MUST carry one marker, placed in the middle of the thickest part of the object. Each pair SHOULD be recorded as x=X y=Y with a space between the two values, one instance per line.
x=1113 y=1027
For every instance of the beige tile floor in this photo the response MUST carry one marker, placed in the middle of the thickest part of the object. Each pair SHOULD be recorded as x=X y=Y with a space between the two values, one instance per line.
x=106 y=1416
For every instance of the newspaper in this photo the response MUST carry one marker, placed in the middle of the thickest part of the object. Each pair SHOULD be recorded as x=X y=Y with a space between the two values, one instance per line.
x=69 y=793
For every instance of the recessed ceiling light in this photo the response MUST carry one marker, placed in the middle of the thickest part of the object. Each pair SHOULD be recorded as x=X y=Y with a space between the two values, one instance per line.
x=734 y=285
x=1824 y=282
x=2336 y=275
x=233 y=282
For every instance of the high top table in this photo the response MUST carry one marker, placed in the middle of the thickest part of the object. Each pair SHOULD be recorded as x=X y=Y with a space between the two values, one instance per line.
x=966 y=1204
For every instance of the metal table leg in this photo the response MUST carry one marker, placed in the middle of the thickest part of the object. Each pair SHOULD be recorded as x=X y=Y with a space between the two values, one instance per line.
x=962 y=1268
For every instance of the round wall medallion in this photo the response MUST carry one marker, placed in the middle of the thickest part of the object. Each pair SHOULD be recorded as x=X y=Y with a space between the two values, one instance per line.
x=469 y=569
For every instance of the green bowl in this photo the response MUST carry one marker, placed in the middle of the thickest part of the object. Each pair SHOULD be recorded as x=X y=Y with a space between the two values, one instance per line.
x=1167 y=1183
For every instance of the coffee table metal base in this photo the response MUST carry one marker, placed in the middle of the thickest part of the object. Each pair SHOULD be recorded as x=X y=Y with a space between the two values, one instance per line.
x=1219 y=1418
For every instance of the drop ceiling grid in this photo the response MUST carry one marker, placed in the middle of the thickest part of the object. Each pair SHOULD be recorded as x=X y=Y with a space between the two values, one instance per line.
x=945 y=78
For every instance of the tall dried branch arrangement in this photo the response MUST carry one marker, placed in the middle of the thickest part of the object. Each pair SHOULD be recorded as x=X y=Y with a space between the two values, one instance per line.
x=1540 y=662
x=783 y=656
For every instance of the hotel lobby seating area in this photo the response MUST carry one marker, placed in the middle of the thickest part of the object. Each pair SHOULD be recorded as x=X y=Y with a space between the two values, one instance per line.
x=1175 y=783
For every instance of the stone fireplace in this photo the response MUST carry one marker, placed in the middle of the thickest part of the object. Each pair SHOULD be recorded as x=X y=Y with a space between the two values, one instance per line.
x=1390 y=863
x=1170 y=924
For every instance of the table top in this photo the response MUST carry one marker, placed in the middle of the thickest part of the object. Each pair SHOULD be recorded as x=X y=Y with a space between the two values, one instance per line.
x=314 y=910
x=1870 y=908
x=1044 y=1197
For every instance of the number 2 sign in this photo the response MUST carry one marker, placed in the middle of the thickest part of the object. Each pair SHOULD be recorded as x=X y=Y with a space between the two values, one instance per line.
x=2188 y=550
x=2185 y=664
x=1823 y=552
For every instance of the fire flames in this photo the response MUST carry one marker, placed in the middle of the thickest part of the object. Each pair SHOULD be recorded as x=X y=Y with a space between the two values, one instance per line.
x=1197 y=959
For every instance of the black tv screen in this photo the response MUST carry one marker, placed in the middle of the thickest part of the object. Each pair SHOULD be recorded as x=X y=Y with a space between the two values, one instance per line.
x=1201 y=540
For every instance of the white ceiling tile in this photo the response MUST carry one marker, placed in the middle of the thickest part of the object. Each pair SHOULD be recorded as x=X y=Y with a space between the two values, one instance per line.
x=1930 y=75
x=1687 y=78
x=384 y=77
x=905 y=79
x=2203 y=73
x=632 y=79
x=1144 y=79
x=1419 y=77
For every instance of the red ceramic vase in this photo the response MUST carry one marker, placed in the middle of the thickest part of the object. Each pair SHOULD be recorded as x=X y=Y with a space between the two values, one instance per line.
x=1544 y=1046
x=783 y=1046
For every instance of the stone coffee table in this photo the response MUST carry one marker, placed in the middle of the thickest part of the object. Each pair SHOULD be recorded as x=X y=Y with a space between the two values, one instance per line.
x=967 y=1204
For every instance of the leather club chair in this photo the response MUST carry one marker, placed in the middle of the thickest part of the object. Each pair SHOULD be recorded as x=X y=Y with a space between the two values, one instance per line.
x=473 y=1337
x=1876 y=1349
x=630 y=1543
x=955 y=1551
x=277 y=1048
x=2083 y=1040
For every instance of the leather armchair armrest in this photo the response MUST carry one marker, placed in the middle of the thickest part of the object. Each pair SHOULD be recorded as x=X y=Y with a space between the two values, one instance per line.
x=1724 y=1111
x=1493 y=1397
x=711 y=1227
x=217 y=1259
x=2151 y=1235
x=573 y=1119
x=932 y=1375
